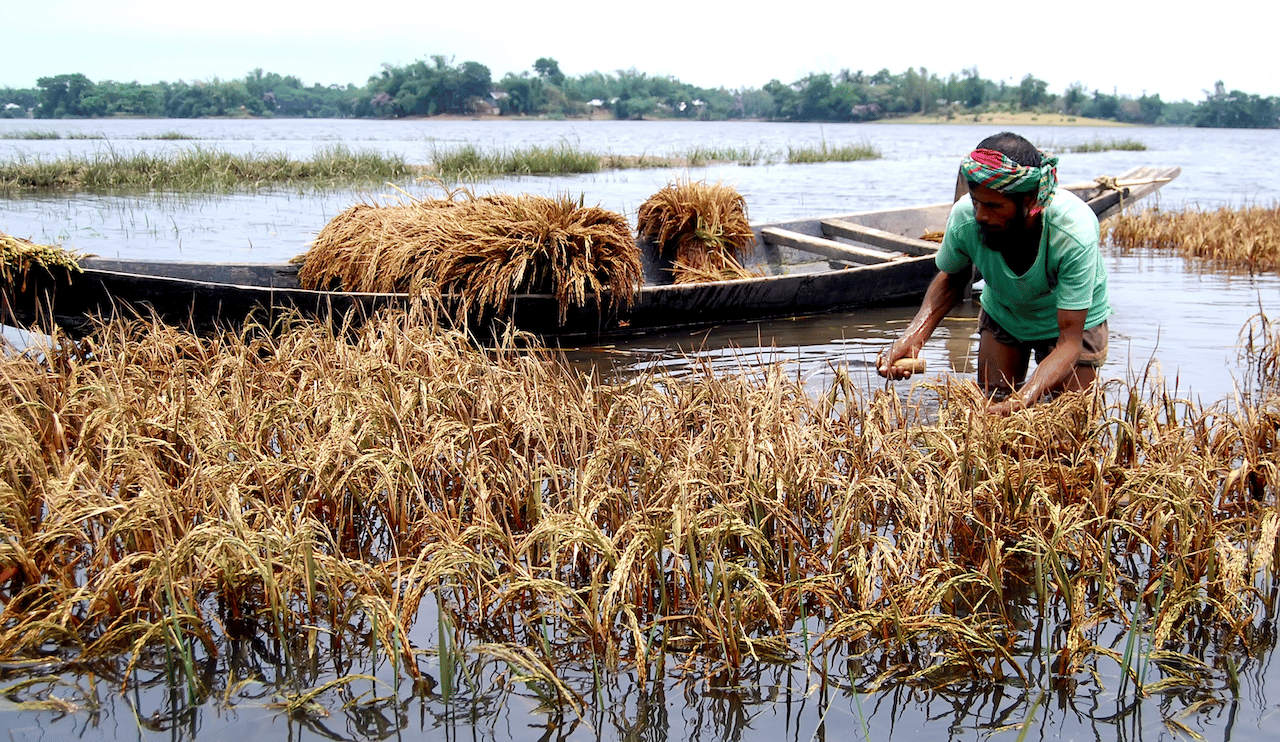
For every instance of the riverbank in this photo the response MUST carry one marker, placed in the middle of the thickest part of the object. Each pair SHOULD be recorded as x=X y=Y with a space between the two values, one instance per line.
x=1003 y=118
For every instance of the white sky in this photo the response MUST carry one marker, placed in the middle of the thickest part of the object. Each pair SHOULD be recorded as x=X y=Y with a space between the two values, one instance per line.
x=1177 y=49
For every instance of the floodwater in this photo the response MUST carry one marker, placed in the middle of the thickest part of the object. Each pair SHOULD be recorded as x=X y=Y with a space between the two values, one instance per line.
x=1181 y=317
x=1172 y=317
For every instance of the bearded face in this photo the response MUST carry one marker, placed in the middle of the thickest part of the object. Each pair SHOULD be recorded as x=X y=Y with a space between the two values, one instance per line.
x=1012 y=236
x=1002 y=222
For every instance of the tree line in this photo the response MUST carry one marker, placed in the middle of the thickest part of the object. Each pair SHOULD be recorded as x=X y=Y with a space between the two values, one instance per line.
x=438 y=85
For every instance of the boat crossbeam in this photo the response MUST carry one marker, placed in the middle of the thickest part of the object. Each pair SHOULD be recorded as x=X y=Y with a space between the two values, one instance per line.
x=827 y=248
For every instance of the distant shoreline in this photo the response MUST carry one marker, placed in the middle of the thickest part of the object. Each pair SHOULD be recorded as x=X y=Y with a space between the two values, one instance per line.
x=1020 y=119
x=1023 y=118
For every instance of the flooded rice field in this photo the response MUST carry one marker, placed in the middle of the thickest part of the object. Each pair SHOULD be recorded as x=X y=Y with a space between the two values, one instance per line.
x=646 y=671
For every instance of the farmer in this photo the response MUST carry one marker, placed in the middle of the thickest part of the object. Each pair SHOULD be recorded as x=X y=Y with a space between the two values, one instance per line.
x=1046 y=287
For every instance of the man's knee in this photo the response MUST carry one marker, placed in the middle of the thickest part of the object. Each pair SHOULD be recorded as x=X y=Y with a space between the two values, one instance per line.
x=1001 y=367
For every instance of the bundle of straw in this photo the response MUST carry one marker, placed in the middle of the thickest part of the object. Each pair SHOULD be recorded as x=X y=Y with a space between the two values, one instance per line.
x=483 y=249
x=17 y=256
x=699 y=228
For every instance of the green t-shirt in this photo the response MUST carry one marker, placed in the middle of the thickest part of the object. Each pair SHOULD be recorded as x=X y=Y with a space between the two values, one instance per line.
x=1068 y=272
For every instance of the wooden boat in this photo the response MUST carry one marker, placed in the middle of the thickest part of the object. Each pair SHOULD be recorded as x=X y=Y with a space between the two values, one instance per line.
x=812 y=266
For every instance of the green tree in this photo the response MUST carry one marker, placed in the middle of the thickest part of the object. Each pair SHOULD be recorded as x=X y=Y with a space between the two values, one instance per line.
x=786 y=102
x=63 y=95
x=429 y=87
x=549 y=70
x=1032 y=92
x=16 y=102
x=1236 y=110
x=1073 y=99
x=973 y=88
x=1150 y=107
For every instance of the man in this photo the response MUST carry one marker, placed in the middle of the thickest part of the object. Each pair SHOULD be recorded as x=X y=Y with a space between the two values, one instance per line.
x=1046 y=286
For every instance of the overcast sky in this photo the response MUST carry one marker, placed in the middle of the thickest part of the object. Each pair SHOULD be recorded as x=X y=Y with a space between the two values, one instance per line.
x=1177 y=49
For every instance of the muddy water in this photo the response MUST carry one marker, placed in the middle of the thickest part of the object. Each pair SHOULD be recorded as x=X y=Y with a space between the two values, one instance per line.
x=1180 y=319
x=1173 y=321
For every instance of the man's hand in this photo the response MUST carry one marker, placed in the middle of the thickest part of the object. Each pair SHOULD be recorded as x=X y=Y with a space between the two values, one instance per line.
x=1006 y=408
x=899 y=361
x=945 y=291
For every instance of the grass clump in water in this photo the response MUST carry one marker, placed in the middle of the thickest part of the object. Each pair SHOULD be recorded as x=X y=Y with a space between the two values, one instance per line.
x=705 y=154
x=470 y=162
x=831 y=153
x=198 y=170
x=172 y=135
x=48 y=135
x=1101 y=145
x=1239 y=236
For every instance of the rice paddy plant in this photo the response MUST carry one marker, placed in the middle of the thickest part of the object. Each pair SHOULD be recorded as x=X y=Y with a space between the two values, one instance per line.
x=200 y=169
x=1245 y=236
x=832 y=153
x=163 y=494
x=481 y=249
x=469 y=162
x=697 y=230
x=1260 y=356
x=19 y=256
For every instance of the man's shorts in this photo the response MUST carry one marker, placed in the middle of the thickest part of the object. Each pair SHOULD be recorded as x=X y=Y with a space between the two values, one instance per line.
x=1094 y=341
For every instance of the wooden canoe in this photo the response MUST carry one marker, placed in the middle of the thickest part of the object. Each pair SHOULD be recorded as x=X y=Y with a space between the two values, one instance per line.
x=813 y=266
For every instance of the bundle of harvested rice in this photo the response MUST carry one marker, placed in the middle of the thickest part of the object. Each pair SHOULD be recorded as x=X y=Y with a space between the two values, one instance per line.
x=483 y=249
x=700 y=229
x=17 y=256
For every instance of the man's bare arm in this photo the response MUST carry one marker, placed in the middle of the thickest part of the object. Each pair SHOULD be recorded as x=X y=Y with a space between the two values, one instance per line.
x=1056 y=368
x=944 y=292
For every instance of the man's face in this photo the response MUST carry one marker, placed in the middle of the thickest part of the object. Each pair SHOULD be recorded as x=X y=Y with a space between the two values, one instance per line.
x=1002 y=220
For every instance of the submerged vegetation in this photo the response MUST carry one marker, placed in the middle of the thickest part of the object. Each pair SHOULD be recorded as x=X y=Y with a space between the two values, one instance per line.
x=832 y=153
x=31 y=134
x=1104 y=145
x=469 y=162
x=170 y=501
x=1241 y=236
x=200 y=169
x=47 y=135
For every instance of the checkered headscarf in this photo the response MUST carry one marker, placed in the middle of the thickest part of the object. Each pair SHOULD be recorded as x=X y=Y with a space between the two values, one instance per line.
x=996 y=171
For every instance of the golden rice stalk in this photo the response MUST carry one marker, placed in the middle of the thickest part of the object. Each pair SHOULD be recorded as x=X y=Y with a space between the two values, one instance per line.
x=696 y=225
x=17 y=256
x=483 y=249
x=165 y=490
x=1248 y=236
x=697 y=266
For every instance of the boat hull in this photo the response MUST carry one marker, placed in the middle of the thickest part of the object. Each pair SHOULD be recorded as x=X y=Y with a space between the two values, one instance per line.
x=813 y=266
